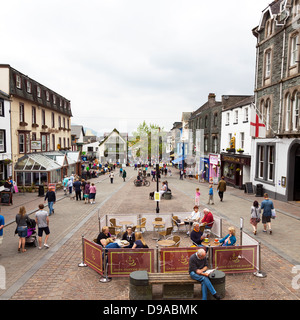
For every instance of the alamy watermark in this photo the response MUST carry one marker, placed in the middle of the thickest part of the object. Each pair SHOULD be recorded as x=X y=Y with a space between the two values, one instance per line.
x=296 y=278
x=2 y=278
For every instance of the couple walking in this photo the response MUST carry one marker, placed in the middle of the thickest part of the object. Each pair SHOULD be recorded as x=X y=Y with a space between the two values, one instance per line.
x=268 y=213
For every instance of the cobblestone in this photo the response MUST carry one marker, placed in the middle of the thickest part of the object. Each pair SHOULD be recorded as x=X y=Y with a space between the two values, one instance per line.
x=54 y=273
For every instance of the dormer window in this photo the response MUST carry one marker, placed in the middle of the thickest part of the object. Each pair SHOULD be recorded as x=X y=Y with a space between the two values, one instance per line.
x=269 y=28
x=47 y=96
x=38 y=91
x=28 y=86
x=54 y=99
x=18 y=82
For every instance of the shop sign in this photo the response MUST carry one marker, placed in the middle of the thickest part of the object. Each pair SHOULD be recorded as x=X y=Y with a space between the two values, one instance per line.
x=174 y=260
x=235 y=259
x=122 y=262
x=93 y=256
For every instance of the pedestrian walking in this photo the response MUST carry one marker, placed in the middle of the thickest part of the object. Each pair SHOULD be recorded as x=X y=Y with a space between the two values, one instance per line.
x=267 y=206
x=77 y=189
x=255 y=216
x=51 y=197
x=70 y=186
x=87 y=192
x=124 y=174
x=42 y=221
x=210 y=194
x=221 y=188
x=181 y=174
x=65 y=184
x=197 y=197
x=92 y=195
x=21 y=220
x=2 y=224
x=111 y=176
x=83 y=183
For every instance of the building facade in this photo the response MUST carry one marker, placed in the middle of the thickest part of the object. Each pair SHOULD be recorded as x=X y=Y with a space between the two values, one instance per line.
x=40 y=118
x=5 y=137
x=276 y=158
x=236 y=142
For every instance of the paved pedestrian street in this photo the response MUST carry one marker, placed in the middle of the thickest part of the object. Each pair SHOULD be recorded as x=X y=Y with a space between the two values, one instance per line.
x=53 y=274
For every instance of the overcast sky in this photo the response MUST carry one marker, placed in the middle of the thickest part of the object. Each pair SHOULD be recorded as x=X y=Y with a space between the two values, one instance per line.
x=124 y=61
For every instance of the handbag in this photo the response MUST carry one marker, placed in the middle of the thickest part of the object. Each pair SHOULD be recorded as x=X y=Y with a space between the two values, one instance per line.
x=273 y=213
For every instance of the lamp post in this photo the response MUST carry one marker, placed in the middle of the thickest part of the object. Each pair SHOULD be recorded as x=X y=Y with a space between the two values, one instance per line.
x=157 y=186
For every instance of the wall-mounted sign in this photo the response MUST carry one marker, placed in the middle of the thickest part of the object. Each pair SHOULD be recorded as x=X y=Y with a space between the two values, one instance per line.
x=36 y=145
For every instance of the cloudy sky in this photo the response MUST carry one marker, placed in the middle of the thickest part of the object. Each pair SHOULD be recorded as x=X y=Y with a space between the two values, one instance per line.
x=124 y=61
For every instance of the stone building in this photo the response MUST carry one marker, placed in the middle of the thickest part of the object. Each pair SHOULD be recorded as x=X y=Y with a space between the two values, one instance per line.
x=276 y=158
x=207 y=121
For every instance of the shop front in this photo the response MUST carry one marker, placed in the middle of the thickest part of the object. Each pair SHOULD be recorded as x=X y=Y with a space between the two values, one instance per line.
x=204 y=168
x=36 y=169
x=236 y=169
x=214 y=168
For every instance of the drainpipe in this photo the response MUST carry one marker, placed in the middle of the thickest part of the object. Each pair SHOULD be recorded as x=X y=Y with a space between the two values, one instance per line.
x=281 y=77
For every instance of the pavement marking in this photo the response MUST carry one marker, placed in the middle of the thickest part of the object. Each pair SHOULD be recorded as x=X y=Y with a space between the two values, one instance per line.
x=52 y=250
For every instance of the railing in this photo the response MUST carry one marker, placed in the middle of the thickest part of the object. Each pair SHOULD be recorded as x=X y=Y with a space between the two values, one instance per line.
x=121 y=262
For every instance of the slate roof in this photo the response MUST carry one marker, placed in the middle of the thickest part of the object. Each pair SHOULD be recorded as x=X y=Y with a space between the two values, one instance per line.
x=42 y=101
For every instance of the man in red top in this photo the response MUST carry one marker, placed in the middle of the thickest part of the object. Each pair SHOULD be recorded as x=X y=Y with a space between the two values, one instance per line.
x=208 y=219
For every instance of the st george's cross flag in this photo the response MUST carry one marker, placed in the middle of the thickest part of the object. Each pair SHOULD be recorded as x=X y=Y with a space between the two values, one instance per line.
x=257 y=127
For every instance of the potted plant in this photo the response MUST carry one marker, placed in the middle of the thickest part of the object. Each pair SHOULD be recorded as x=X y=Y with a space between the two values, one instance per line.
x=240 y=150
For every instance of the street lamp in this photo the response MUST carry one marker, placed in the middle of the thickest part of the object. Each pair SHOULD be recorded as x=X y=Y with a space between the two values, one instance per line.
x=157 y=186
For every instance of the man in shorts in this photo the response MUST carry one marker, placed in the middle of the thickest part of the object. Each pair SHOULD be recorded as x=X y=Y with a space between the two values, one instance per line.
x=42 y=220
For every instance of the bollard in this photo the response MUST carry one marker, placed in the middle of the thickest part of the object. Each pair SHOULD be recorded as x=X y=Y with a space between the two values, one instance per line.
x=105 y=278
x=259 y=273
x=82 y=264
x=139 y=288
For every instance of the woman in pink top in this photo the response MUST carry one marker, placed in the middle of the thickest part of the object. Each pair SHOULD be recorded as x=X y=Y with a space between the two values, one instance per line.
x=92 y=195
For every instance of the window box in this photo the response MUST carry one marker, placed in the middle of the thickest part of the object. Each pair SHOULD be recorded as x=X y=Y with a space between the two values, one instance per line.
x=23 y=124
x=35 y=125
x=44 y=126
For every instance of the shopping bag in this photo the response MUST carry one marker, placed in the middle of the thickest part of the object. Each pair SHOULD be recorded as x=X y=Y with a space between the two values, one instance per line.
x=273 y=213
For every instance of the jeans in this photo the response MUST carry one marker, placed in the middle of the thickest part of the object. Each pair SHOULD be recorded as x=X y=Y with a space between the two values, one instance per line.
x=205 y=284
x=50 y=205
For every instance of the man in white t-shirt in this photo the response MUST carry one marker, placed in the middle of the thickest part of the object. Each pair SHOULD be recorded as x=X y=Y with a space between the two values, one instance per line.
x=42 y=221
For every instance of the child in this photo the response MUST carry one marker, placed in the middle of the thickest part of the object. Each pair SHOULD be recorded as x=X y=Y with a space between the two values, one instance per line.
x=210 y=194
x=197 y=197
x=92 y=193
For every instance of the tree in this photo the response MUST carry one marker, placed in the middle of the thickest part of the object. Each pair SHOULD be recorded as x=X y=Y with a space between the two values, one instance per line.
x=147 y=142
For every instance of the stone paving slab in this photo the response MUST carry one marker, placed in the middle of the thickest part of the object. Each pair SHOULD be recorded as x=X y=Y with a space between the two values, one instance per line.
x=60 y=278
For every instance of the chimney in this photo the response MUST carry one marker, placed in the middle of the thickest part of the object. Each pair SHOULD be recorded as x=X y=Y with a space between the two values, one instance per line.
x=211 y=99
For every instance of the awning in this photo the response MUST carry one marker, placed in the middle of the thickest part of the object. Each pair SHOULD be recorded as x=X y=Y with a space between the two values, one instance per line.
x=178 y=160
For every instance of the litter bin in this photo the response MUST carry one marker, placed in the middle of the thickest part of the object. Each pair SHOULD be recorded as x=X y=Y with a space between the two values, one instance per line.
x=259 y=190
x=217 y=279
x=41 y=191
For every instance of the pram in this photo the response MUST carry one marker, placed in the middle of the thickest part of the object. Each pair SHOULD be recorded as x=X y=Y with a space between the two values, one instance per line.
x=31 y=233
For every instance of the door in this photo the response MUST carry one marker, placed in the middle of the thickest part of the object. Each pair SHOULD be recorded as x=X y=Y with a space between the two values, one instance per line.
x=297 y=179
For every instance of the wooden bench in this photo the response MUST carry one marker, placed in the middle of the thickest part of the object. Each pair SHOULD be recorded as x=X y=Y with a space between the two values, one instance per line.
x=179 y=285
x=175 y=285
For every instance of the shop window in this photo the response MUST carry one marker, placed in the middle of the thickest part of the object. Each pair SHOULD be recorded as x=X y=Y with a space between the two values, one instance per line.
x=229 y=171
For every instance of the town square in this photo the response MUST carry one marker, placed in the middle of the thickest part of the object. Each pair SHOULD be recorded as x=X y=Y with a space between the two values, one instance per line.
x=140 y=170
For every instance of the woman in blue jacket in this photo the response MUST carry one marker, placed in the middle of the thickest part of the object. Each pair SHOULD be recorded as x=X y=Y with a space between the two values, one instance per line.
x=230 y=239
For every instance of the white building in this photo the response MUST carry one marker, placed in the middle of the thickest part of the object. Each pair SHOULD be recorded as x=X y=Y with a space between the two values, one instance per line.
x=5 y=137
x=236 y=142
